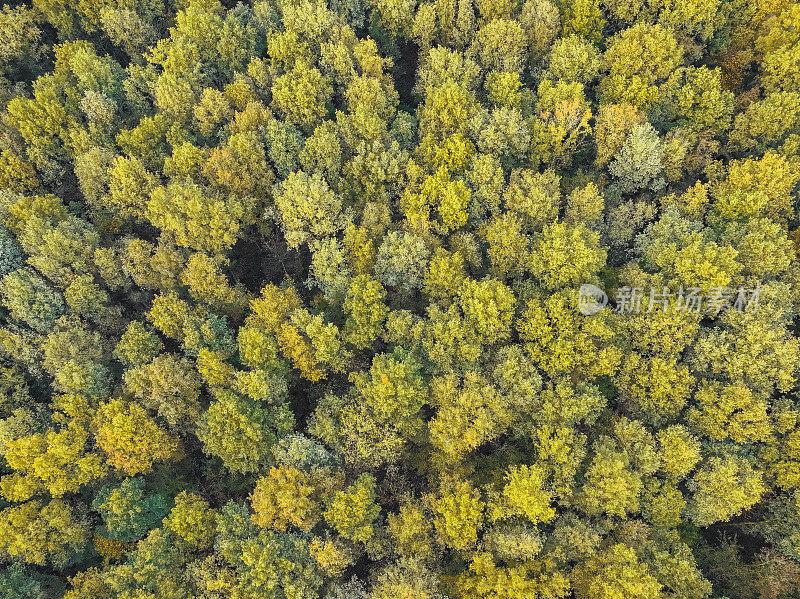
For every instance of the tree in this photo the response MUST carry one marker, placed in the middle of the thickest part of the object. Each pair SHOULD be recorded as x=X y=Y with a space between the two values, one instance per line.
x=284 y=145
x=723 y=487
x=321 y=153
x=760 y=353
x=31 y=299
x=445 y=276
x=561 y=123
x=56 y=462
x=765 y=122
x=401 y=261
x=240 y=167
x=613 y=125
x=212 y=111
x=513 y=542
x=53 y=533
x=138 y=345
x=471 y=405
x=412 y=530
x=366 y=311
x=147 y=141
x=614 y=572
x=485 y=578
x=540 y=20
x=689 y=19
x=762 y=246
x=132 y=441
x=17 y=174
x=560 y=341
x=730 y=412
x=509 y=249
x=637 y=59
x=151 y=266
x=756 y=188
x=168 y=385
x=129 y=186
x=240 y=431
x=458 y=514
x=680 y=451
x=487 y=307
x=16 y=583
x=684 y=252
x=780 y=69
x=313 y=345
x=88 y=299
x=279 y=566
x=300 y=95
x=193 y=520
x=307 y=207
x=612 y=487
x=584 y=18
x=574 y=59
x=23 y=48
x=353 y=510
x=406 y=578
x=695 y=98
x=128 y=513
x=523 y=495
x=638 y=164
x=380 y=416
x=10 y=253
x=657 y=389
x=196 y=218
x=286 y=496
x=535 y=197
x=584 y=206
x=565 y=255
x=41 y=120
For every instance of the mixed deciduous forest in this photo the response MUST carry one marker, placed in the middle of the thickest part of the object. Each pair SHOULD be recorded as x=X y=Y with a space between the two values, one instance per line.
x=399 y=299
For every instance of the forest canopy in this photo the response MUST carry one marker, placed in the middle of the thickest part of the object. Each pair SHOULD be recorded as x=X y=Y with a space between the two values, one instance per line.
x=399 y=299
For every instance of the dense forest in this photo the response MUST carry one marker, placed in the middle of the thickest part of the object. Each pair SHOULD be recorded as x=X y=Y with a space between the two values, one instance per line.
x=399 y=299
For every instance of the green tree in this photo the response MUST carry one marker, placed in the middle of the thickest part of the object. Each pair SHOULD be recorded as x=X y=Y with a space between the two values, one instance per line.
x=279 y=566
x=53 y=533
x=307 y=207
x=723 y=487
x=198 y=219
x=639 y=163
x=401 y=261
x=31 y=300
x=193 y=520
x=614 y=573
x=128 y=512
x=458 y=514
x=353 y=510
x=380 y=416
x=637 y=59
x=241 y=431
x=168 y=385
